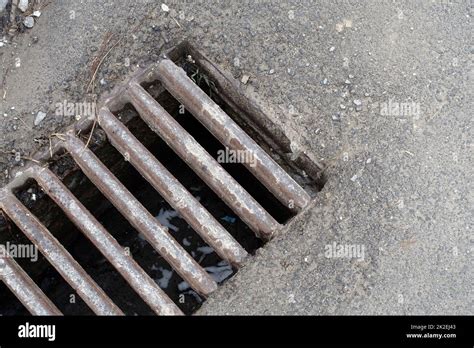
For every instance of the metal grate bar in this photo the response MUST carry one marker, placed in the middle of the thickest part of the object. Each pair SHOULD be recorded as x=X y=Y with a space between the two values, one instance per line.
x=211 y=172
x=275 y=179
x=25 y=289
x=171 y=190
x=139 y=217
x=59 y=257
x=148 y=290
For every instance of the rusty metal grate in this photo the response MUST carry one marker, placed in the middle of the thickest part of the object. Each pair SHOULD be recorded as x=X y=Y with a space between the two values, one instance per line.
x=175 y=80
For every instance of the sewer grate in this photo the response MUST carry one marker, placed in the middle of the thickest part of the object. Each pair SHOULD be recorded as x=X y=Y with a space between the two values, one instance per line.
x=176 y=81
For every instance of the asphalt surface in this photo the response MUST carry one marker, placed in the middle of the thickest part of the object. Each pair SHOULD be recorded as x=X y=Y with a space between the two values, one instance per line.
x=332 y=74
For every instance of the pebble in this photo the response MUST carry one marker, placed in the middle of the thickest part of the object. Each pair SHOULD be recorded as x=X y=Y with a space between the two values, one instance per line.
x=29 y=22
x=3 y=5
x=263 y=67
x=36 y=13
x=342 y=106
x=325 y=81
x=23 y=5
x=332 y=49
x=165 y=8
x=245 y=79
x=236 y=62
x=357 y=102
x=39 y=117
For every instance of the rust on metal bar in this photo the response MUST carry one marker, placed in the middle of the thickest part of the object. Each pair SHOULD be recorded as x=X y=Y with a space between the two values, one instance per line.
x=59 y=257
x=25 y=289
x=171 y=189
x=148 y=290
x=275 y=179
x=211 y=172
x=139 y=217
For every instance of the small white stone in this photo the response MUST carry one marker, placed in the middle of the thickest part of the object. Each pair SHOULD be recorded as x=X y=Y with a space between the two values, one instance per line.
x=332 y=49
x=39 y=117
x=236 y=62
x=3 y=5
x=23 y=5
x=354 y=177
x=29 y=22
x=357 y=102
x=245 y=79
x=36 y=13
x=165 y=8
x=368 y=160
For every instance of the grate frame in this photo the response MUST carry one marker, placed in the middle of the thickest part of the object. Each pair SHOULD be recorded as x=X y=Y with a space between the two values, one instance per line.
x=174 y=80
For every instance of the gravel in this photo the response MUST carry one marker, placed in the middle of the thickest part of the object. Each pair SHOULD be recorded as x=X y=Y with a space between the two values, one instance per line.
x=29 y=22
x=23 y=5
x=39 y=117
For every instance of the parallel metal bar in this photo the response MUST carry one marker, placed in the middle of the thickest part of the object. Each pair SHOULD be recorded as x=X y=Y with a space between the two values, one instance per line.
x=211 y=172
x=59 y=257
x=25 y=289
x=139 y=217
x=172 y=190
x=148 y=290
x=275 y=179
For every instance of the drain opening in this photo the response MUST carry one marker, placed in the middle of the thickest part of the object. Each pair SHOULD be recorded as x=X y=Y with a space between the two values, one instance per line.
x=178 y=290
x=197 y=186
